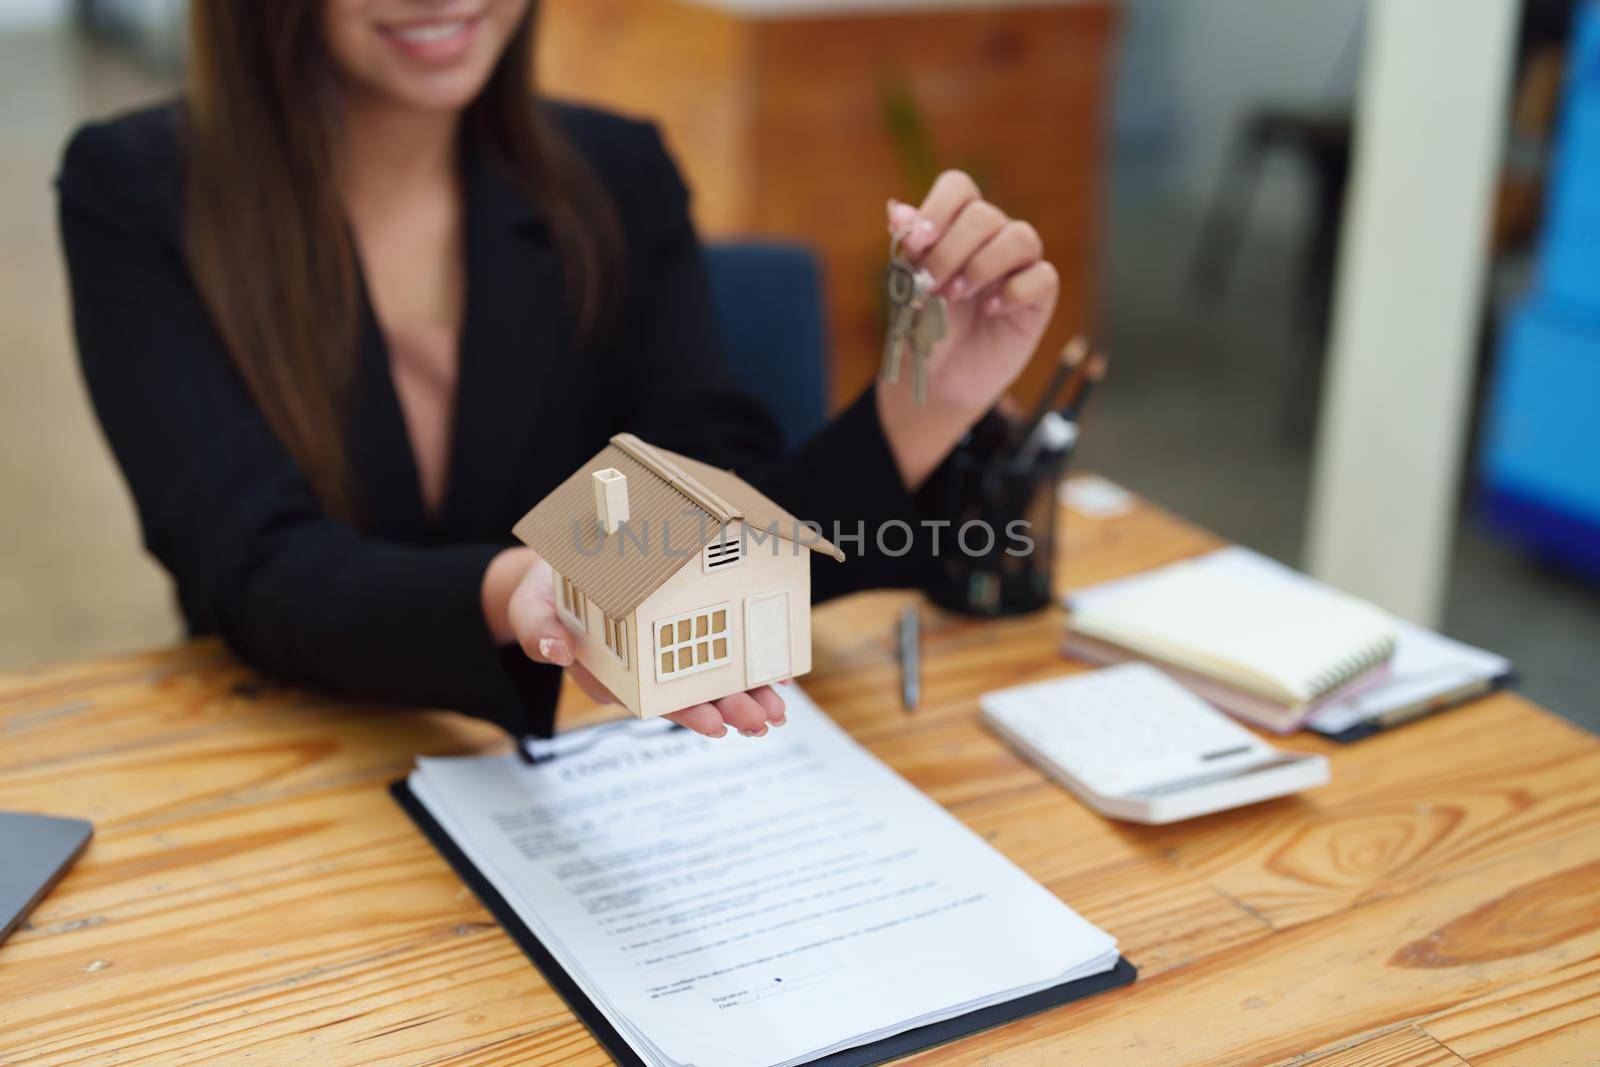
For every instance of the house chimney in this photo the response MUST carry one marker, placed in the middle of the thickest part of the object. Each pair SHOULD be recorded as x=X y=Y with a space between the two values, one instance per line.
x=610 y=499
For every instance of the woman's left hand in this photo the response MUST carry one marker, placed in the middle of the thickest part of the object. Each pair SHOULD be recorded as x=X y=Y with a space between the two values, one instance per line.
x=999 y=292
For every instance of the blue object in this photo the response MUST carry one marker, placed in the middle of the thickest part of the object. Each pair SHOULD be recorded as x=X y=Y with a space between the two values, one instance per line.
x=768 y=303
x=1569 y=253
x=1541 y=458
x=1541 y=452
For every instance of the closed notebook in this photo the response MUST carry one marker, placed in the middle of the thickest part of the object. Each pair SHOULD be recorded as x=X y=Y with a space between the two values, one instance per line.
x=1287 y=646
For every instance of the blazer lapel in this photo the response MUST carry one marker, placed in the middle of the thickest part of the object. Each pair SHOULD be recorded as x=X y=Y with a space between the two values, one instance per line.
x=515 y=343
x=390 y=496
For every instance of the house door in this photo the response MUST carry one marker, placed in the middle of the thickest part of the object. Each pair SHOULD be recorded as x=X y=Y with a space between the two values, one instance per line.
x=766 y=638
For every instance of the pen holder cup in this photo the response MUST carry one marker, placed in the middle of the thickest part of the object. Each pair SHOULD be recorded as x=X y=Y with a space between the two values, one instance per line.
x=1014 y=499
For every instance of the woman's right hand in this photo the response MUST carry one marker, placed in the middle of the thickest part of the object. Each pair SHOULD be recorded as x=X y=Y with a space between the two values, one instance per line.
x=519 y=604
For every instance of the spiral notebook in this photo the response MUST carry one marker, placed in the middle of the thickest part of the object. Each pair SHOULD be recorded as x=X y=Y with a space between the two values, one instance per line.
x=1266 y=650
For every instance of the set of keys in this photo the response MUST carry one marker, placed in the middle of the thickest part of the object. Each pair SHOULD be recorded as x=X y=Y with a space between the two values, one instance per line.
x=916 y=320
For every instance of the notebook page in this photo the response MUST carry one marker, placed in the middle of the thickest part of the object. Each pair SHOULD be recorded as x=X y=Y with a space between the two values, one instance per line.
x=739 y=902
x=1271 y=637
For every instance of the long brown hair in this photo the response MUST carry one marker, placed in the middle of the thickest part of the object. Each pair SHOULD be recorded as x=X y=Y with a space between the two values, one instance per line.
x=265 y=230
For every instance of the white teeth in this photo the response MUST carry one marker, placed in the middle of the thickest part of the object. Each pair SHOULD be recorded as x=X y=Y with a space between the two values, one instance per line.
x=434 y=31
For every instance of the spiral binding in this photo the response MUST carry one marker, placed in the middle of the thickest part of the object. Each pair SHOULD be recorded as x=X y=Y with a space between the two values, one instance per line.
x=1352 y=666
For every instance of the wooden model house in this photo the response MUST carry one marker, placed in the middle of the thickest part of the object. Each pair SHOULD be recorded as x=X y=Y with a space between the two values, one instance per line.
x=680 y=583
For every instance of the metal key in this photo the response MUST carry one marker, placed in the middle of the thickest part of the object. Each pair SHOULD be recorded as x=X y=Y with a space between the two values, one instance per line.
x=927 y=329
x=901 y=287
x=916 y=319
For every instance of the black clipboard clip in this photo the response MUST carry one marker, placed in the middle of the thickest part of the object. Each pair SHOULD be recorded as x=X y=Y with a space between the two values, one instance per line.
x=535 y=751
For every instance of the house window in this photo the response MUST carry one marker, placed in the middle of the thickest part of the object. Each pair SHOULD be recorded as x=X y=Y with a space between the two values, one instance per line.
x=725 y=551
x=616 y=637
x=574 y=603
x=692 y=642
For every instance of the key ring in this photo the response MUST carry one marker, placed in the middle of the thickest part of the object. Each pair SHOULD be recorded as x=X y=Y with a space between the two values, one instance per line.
x=899 y=235
x=901 y=284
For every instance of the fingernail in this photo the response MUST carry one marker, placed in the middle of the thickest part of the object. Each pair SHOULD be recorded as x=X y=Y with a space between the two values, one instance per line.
x=958 y=288
x=753 y=733
x=993 y=305
x=555 y=650
x=893 y=203
x=780 y=720
x=921 y=235
x=721 y=733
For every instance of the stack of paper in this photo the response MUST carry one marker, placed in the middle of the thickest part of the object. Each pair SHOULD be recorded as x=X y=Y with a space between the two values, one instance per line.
x=754 y=902
x=1429 y=673
x=1425 y=672
x=1266 y=650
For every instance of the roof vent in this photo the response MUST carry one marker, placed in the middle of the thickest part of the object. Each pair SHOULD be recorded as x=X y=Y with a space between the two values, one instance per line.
x=610 y=499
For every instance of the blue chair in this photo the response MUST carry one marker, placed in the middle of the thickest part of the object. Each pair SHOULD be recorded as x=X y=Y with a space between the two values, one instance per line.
x=1541 y=482
x=768 y=302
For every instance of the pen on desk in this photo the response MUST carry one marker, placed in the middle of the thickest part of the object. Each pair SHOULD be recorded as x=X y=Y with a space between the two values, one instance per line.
x=909 y=638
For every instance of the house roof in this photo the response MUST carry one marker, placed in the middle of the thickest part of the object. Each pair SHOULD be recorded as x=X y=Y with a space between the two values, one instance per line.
x=676 y=506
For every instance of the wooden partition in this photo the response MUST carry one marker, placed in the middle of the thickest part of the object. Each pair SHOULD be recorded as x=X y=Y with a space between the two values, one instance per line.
x=798 y=126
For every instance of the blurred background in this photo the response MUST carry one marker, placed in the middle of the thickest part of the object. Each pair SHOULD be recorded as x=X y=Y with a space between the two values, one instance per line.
x=1191 y=167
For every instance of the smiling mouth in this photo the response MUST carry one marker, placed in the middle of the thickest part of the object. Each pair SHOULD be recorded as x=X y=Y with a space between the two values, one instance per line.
x=435 y=40
x=429 y=32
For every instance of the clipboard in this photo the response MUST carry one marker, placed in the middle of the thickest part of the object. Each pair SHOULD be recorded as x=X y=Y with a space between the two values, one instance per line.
x=902 y=1044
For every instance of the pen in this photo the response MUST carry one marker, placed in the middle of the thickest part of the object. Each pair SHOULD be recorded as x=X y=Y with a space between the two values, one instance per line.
x=1067 y=370
x=1055 y=433
x=1094 y=372
x=910 y=640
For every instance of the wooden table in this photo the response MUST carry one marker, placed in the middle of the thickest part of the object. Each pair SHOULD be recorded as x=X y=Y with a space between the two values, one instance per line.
x=253 y=894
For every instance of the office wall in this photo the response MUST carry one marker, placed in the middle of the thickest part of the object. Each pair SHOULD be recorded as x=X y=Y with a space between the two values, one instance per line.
x=27 y=14
x=74 y=580
x=1191 y=69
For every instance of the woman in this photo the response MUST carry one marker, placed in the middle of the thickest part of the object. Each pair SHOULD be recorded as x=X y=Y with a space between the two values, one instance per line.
x=355 y=302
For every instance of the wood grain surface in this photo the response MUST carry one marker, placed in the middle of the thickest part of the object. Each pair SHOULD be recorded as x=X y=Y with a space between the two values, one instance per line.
x=253 y=895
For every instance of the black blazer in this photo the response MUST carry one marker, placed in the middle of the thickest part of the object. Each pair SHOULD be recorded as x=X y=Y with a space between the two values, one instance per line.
x=391 y=609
